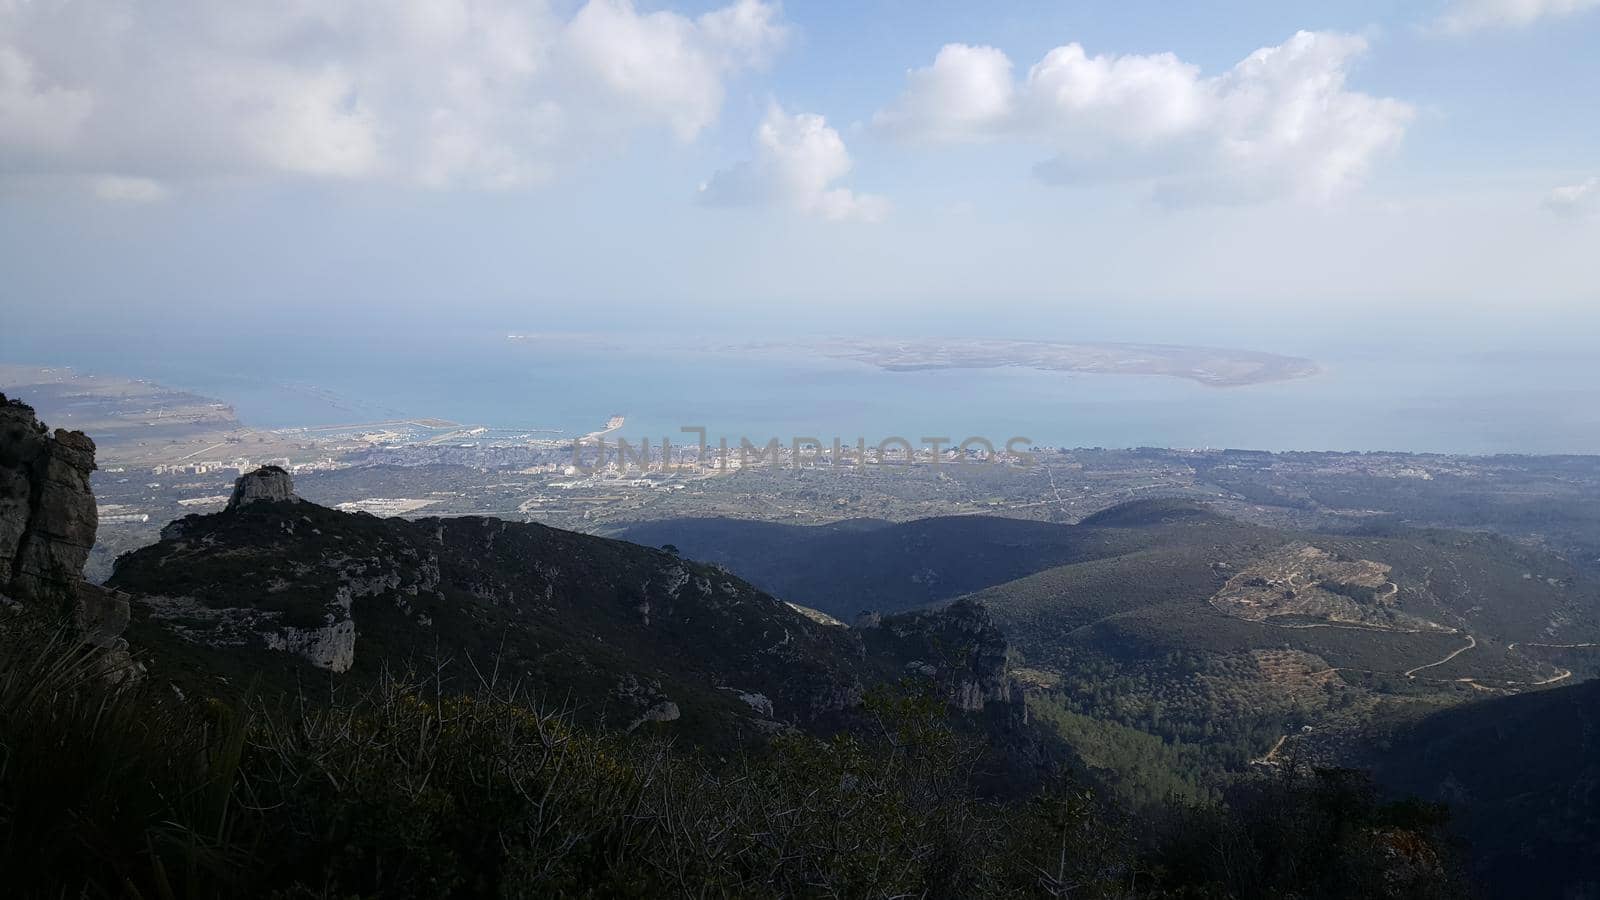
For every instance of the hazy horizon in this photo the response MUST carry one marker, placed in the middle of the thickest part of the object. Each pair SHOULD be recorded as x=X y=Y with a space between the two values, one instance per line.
x=1394 y=184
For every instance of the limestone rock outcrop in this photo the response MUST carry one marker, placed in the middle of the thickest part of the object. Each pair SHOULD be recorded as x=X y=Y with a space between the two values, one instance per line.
x=268 y=484
x=47 y=511
x=316 y=625
x=331 y=647
x=48 y=522
x=959 y=647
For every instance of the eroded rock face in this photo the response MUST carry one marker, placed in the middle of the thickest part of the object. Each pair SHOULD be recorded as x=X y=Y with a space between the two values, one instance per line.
x=47 y=526
x=269 y=484
x=331 y=647
x=47 y=511
x=960 y=648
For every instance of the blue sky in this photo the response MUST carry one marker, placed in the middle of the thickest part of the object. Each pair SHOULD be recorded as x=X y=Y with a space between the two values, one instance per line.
x=1130 y=170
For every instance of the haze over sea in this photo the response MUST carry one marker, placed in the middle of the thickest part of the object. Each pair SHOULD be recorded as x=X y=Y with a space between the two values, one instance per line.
x=1399 y=393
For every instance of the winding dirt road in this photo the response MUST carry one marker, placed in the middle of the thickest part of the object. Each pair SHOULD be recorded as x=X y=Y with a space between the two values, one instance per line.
x=1471 y=642
x=1272 y=754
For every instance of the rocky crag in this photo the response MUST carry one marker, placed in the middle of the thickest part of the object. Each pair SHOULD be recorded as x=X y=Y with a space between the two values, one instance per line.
x=959 y=646
x=47 y=511
x=48 y=523
x=268 y=484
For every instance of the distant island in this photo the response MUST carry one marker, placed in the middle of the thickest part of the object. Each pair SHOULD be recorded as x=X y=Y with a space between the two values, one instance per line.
x=1214 y=366
x=1207 y=365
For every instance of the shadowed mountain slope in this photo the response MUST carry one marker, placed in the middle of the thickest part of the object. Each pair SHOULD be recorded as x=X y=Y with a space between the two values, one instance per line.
x=1521 y=776
x=848 y=567
x=626 y=634
x=1156 y=575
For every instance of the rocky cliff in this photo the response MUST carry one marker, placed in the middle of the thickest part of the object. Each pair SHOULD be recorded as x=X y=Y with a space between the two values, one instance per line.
x=48 y=523
x=47 y=511
x=959 y=646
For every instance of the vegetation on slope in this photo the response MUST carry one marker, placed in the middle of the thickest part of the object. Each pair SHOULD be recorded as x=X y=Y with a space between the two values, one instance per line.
x=407 y=790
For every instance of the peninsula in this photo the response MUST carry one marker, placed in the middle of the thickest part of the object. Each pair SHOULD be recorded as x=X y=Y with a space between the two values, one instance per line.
x=1206 y=365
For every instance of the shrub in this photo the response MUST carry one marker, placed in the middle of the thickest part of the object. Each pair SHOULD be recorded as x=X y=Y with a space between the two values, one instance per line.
x=407 y=790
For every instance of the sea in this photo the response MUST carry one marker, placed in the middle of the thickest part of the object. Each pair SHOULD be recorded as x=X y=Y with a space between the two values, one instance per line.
x=1438 y=397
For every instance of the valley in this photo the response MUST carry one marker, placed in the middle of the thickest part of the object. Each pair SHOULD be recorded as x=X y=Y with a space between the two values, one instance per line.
x=1143 y=615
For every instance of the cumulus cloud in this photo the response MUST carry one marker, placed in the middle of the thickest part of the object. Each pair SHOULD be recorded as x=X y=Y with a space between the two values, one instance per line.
x=1280 y=123
x=966 y=94
x=798 y=159
x=662 y=65
x=1581 y=199
x=1472 y=15
x=481 y=93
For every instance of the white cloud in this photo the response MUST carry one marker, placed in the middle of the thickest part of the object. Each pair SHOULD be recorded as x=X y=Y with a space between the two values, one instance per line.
x=1472 y=15
x=967 y=94
x=1280 y=123
x=482 y=93
x=665 y=66
x=123 y=189
x=798 y=159
x=1581 y=199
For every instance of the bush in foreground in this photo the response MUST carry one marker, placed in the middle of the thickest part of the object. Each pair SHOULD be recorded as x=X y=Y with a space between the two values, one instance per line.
x=405 y=790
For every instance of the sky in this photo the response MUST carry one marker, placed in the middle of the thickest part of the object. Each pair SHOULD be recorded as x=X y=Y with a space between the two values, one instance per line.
x=1217 y=172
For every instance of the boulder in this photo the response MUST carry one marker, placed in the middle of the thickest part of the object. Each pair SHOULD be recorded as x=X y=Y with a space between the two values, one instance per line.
x=268 y=484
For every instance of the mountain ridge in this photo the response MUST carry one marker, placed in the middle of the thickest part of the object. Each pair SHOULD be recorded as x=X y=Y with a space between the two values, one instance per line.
x=628 y=634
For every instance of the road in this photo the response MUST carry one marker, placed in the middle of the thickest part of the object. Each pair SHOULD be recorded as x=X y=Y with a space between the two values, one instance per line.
x=1471 y=642
x=201 y=450
x=1271 y=754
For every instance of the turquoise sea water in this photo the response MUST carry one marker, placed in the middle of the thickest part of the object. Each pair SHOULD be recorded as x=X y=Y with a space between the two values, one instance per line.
x=1404 y=398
